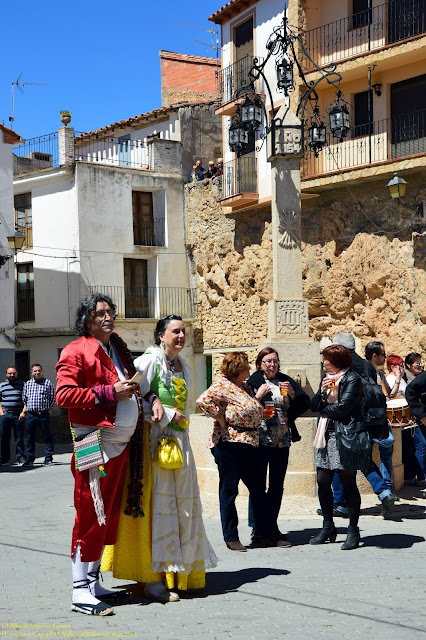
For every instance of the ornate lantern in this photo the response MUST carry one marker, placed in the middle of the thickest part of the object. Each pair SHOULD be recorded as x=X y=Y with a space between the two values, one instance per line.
x=251 y=112
x=238 y=136
x=340 y=121
x=397 y=186
x=285 y=79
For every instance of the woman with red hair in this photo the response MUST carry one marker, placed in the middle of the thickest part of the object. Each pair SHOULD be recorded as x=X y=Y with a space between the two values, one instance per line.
x=341 y=441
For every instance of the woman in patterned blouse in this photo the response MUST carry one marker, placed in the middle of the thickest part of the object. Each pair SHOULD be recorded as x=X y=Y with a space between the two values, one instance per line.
x=235 y=444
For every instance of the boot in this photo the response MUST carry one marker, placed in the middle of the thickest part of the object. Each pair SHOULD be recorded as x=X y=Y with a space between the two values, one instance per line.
x=328 y=532
x=352 y=539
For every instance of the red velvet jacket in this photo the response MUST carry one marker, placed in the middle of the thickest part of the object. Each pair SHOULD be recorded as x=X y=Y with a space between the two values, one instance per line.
x=84 y=364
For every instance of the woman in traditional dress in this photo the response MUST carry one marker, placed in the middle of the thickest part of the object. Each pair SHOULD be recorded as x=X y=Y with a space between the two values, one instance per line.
x=167 y=548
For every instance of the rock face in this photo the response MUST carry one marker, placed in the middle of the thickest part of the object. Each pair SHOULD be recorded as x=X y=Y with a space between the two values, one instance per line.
x=364 y=260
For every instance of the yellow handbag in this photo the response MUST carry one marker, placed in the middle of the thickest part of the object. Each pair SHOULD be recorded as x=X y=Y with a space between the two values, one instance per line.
x=168 y=454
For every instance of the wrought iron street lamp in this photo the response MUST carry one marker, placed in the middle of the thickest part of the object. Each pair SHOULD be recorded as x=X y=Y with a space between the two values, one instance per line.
x=238 y=136
x=340 y=120
x=282 y=43
x=252 y=112
x=397 y=186
x=16 y=241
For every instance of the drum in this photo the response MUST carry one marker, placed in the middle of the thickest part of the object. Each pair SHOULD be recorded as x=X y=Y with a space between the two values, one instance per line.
x=398 y=414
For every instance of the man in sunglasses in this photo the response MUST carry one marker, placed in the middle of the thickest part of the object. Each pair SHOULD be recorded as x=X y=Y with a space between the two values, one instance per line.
x=94 y=384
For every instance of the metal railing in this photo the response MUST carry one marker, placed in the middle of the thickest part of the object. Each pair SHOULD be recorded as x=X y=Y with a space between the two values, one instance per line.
x=113 y=151
x=378 y=141
x=149 y=232
x=25 y=306
x=150 y=302
x=239 y=176
x=370 y=29
x=234 y=77
x=35 y=154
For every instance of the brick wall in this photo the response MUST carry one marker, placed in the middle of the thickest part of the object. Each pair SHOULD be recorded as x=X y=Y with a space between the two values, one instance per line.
x=183 y=77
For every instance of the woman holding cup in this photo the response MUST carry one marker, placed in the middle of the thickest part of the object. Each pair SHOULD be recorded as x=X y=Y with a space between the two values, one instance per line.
x=284 y=401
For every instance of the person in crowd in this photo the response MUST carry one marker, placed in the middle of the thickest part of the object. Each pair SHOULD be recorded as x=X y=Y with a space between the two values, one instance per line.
x=199 y=170
x=413 y=440
x=234 y=442
x=376 y=354
x=341 y=441
x=380 y=480
x=93 y=384
x=12 y=416
x=193 y=176
x=212 y=170
x=39 y=399
x=219 y=169
x=167 y=548
x=413 y=366
x=290 y=401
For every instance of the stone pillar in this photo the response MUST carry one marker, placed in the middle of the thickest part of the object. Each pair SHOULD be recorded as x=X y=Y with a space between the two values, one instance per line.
x=288 y=321
x=66 y=146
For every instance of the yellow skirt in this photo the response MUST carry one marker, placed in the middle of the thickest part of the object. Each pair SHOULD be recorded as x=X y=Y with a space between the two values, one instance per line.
x=131 y=557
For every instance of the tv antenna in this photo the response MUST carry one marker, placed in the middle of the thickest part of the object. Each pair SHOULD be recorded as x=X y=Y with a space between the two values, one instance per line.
x=19 y=85
x=214 y=37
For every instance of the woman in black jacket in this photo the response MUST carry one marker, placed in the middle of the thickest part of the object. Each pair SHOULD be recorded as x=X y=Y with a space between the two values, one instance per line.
x=276 y=434
x=341 y=440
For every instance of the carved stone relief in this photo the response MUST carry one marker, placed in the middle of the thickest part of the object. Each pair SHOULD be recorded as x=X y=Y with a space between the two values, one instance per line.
x=292 y=317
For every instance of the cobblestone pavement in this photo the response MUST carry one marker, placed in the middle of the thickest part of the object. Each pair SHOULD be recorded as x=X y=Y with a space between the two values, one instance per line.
x=315 y=592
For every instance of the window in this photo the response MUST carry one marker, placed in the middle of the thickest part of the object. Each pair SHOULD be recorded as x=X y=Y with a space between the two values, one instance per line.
x=25 y=292
x=22 y=364
x=363 y=114
x=143 y=219
x=361 y=10
x=243 y=41
x=408 y=123
x=124 y=151
x=23 y=218
x=136 y=288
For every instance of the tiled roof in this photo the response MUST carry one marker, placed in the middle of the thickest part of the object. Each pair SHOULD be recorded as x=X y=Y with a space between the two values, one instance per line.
x=230 y=9
x=170 y=55
x=144 y=118
x=10 y=136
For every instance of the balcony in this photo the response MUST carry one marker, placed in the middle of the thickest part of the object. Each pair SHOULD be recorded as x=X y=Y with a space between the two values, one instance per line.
x=373 y=28
x=239 y=183
x=113 y=151
x=233 y=78
x=150 y=302
x=381 y=141
x=36 y=154
x=40 y=153
x=150 y=232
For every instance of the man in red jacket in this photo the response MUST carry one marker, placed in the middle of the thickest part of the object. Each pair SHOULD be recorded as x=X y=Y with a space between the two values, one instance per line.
x=94 y=385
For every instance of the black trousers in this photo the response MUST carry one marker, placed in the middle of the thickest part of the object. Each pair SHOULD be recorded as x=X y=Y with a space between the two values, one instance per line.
x=274 y=460
x=239 y=461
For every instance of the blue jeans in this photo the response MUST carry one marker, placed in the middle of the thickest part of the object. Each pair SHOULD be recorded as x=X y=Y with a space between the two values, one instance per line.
x=239 y=461
x=43 y=421
x=276 y=460
x=414 y=454
x=10 y=421
x=386 y=451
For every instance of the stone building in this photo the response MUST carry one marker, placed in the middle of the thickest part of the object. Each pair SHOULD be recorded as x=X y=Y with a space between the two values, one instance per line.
x=363 y=254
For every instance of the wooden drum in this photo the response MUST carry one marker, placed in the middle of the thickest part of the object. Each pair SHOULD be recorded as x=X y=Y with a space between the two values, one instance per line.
x=398 y=413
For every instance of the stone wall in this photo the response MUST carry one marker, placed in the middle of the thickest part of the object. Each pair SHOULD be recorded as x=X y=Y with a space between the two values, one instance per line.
x=364 y=260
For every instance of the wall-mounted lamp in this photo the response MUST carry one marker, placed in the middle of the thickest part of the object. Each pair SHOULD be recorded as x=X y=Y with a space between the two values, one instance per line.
x=16 y=241
x=397 y=186
x=376 y=88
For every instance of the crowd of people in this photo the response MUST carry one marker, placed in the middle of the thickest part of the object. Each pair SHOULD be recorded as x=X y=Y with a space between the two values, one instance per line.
x=199 y=173
x=136 y=495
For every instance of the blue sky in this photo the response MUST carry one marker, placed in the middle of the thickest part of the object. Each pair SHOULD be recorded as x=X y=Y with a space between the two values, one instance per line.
x=99 y=60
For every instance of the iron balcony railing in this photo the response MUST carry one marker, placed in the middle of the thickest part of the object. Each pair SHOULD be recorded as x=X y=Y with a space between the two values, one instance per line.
x=150 y=302
x=149 y=232
x=239 y=176
x=370 y=29
x=379 y=141
x=25 y=305
x=35 y=154
x=120 y=152
x=235 y=77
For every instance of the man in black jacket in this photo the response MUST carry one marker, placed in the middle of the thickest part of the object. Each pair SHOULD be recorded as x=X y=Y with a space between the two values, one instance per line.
x=415 y=394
